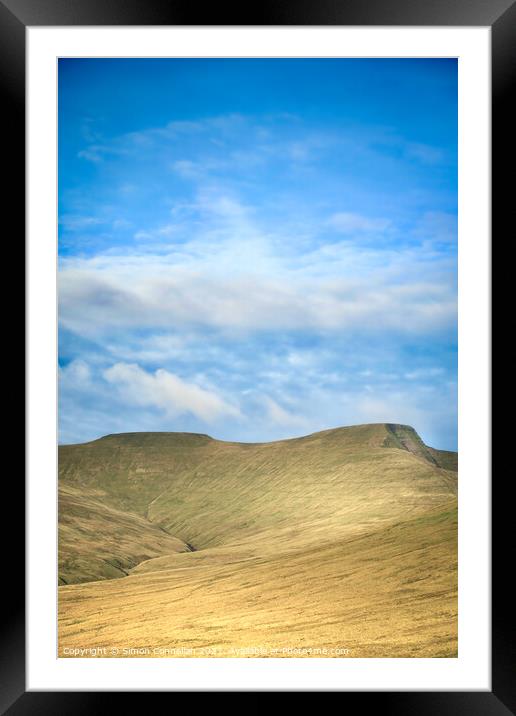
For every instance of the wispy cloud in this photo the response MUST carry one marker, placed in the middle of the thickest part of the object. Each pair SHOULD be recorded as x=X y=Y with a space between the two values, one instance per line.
x=349 y=223
x=235 y=275
x=424 y=153
x=283 y=418
x=94 y=299
x=167 y=392
x=74 y=222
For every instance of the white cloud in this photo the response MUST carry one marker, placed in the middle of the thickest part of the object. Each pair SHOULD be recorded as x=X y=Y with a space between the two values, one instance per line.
x=126 y=144
x=169 y=292
x=77 y=373
x=350 y=223
x=98 y=152
x=424 y=373
x=186 y=168
x=73 y=222
x=231 y=275
x=168 y=392
x=298 y=151
x=185 y=126
x=143 y=235
x=121 y=224
x=437 y=228
x=164 y=231
x=92 y=154
x=424 y=153
x=281 y=417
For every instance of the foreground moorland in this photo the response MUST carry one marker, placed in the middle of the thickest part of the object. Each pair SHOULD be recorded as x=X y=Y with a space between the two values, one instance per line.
x=340 y=543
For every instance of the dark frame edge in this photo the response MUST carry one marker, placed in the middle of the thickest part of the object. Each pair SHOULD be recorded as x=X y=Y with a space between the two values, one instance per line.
x=394 y=703
x=267 y=12
x=502 y=700
x=503 y=58
x=12 y=119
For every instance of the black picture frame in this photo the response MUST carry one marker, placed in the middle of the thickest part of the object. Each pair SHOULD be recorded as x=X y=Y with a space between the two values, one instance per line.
x=500 y=15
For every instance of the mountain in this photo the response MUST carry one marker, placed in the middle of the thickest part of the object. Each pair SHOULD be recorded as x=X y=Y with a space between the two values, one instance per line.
x=343 y=537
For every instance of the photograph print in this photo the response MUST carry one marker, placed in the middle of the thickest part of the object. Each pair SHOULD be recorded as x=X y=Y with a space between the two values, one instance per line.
x=257 y=291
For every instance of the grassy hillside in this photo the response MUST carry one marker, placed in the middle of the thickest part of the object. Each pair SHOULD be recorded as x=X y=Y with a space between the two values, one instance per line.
x=345 y=536
x=101 y=542
x=207 y=492
x=391 y=593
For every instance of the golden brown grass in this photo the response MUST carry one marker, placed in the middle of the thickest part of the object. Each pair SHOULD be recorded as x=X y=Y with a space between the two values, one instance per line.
x=100 y=542
x=338 y=541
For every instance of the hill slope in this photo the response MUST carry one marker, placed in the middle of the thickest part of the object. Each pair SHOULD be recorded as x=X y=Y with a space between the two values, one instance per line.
x=101 y=542
x=296 y=537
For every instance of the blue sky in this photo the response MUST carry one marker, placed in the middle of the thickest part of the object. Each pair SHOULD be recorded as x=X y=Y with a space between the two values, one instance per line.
x=257 y=249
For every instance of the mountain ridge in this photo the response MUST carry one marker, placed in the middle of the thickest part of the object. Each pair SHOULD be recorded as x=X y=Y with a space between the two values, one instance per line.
x=171 y=479
x=159 y=434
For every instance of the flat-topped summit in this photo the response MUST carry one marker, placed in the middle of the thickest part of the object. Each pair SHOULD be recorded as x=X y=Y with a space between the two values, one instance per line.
x=150 y=439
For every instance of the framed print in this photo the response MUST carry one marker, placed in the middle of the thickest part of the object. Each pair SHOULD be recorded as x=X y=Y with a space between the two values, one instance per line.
x=258 y=366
